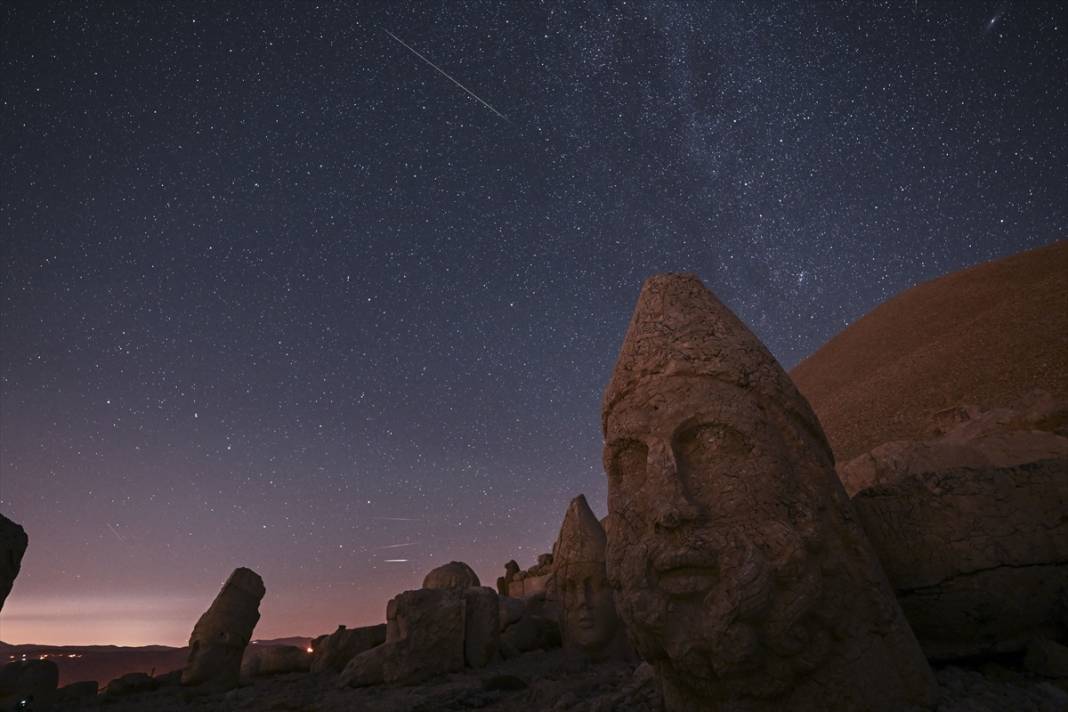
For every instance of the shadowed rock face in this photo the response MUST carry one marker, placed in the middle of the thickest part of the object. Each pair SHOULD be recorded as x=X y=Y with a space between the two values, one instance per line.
x=13 y=542
x=739 y=568
x=424 y=637
x=588 y=619
x=334 y=651
x=219 y=638
x=979 y=557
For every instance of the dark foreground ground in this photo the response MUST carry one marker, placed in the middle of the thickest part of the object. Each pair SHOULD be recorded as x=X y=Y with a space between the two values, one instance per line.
x=548 y=680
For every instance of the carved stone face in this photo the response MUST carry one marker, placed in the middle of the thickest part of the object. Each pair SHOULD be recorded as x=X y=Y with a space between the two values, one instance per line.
x=711 y=534
x=588 y=615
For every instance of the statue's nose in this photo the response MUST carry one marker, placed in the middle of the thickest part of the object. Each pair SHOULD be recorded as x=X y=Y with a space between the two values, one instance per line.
x=671 y=507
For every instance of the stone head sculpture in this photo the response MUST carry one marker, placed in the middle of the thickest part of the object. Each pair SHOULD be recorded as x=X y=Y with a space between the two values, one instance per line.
x=588 y=619
x=220 y=636
x=739 y=568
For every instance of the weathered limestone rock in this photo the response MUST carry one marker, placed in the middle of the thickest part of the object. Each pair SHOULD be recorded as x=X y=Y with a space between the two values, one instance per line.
x=220 y=636
x=424 y=637
x=13 y=542
x=481 y=626
x=22 y=679
x=505 y=582
x=979 y=557
x=739 y=567
x=455 y=574
x=263 y=660
x=333 y=652
x=131 y=683
x=1033 y=429
x=588 y=619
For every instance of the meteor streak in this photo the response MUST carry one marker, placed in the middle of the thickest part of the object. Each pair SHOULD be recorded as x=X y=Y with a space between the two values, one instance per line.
x=117 y=535
x=447 y=76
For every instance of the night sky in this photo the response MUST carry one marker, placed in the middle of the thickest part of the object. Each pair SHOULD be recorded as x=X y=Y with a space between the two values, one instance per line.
x=279 y=292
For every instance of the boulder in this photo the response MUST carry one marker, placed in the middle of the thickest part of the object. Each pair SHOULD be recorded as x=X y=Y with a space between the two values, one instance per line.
x=481 y=626
x=78 y=691
x=965 y=436
x=220 y=637
x=531 y=632
x=333 y=652
x=424 y=637
x=510 y=610
x=263 y=660
x=455 y=574
x=172 y=678
x=131 y=683
x=978 y=557
x=13 y=542
x=28 y=679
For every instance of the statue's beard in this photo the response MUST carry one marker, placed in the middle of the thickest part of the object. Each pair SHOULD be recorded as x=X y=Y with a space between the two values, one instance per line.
x=751 y=632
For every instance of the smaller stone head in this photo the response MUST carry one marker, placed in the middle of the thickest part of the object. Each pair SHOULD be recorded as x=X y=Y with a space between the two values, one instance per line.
x=588 y=619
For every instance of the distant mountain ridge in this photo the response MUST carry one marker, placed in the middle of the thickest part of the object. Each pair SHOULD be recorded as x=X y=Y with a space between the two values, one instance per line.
x=984 y=335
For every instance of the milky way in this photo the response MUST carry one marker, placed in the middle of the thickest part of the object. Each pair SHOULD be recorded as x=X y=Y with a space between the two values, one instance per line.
x=278 y=294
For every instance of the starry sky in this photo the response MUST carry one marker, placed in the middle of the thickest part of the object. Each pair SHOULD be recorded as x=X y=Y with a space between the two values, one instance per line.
x=333 y=291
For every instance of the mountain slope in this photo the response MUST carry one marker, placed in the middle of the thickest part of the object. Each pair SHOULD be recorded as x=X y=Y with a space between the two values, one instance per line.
x=984 y=335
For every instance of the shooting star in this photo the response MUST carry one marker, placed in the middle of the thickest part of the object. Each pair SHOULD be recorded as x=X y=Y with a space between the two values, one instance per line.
x=396 y=561
x=447 y=76
x=117 y=536
x=396 y=546
x=398 y=519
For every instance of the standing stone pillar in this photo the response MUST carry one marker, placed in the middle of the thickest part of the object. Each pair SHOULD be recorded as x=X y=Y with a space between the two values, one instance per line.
x=220 y=637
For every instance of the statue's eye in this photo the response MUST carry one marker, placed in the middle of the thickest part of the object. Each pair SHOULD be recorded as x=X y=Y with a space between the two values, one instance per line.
x=710 y=458
x=711 y=441
x=628 y=463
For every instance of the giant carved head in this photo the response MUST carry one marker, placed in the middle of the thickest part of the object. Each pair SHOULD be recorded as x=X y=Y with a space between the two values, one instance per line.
x=716 y=474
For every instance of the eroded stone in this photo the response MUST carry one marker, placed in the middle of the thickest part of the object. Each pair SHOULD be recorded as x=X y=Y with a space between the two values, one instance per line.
x=588 y=619
x=739 y=567
x=220 y=637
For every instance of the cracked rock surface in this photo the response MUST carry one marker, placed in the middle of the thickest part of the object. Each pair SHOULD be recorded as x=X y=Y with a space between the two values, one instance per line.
x=978 y=557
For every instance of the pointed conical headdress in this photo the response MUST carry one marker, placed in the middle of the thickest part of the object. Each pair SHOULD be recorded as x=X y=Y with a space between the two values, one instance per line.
x=680 y=329
x=582 y=539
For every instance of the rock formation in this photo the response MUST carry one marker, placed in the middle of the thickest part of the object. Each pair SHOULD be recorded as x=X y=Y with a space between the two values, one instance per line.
x=526 y=583
x=424 y=638
x=1034 y=428
x=263 y=660
x=331 y=653
x=739 y=567
x=588 y=619
x=510 y=570
x=455 y=574
x=75 y=692
x=978 y=557
x=219 y=638
x=481 y=626
x=13 y=542
x=132 y=683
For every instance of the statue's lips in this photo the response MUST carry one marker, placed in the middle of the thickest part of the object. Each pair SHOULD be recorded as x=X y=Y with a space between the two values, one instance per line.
x=686 y=573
